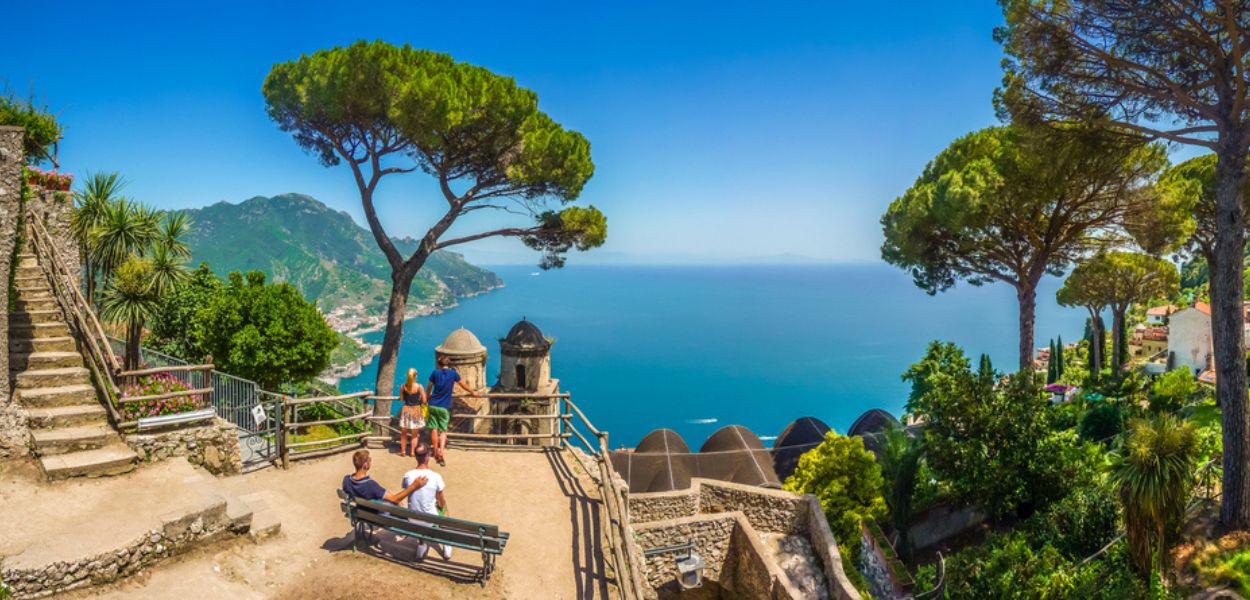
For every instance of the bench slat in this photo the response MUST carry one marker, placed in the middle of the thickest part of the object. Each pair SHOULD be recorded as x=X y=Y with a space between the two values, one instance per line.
x=448 y=523
x=433 y=534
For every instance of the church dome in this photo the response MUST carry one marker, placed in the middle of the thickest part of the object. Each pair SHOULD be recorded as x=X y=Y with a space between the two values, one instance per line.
x=526 y=335
x=461 y=342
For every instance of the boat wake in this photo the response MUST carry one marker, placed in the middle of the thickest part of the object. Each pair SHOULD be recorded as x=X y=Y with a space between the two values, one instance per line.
x=701 y=421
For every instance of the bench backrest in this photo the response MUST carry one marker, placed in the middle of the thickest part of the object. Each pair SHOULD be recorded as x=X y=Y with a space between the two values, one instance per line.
x=457 y=532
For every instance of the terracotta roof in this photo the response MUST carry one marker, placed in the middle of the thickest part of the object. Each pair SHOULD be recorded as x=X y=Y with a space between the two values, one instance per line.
x=1162 y=311
x=1207 y=376
x=1203 y=308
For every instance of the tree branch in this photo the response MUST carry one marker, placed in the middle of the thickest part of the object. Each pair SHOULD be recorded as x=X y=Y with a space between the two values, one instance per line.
x=506 y=232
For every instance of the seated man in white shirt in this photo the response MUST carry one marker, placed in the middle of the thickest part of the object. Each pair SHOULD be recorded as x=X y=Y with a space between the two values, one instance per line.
x=429 y=498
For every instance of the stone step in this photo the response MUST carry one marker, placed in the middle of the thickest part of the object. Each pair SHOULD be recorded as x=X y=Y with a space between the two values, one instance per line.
x=67 y=416
x=49 y=442
x=43 y=344
x=113 y=459
x=47 y=378
x=22 y=282
x=27 y=260
x=44 y=303
x=265 y=522
x=65 y=395
x=37 y=330
x=35 y=293
x=19 y=361
x=35 y=316
x=23 y=271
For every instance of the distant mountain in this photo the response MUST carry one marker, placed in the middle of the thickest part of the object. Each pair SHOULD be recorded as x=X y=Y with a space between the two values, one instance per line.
x=323 y=253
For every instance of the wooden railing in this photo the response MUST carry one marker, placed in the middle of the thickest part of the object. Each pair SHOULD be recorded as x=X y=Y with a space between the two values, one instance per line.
x=571 y=429
x=106 y=369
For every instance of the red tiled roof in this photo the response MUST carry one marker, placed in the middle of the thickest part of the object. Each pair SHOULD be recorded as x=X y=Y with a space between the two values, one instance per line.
x=1203 y=308
x=1207 y=376
x=1162 y=311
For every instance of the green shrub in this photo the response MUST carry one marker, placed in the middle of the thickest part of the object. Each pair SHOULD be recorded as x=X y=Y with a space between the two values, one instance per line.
x=847 y=480
x=1080 y=523
x=1104 y=420
x=1172 y=390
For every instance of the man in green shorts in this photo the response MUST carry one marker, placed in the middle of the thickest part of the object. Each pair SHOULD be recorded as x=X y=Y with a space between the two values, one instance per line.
x=443 y=381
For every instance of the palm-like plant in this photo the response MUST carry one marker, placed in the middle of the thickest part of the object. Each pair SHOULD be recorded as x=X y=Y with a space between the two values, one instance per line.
x=174 y=226
x=131 y=298
x=1154 y=472
x=98 y=192
x=900 y=458
x=126 y=228
x=168 y=270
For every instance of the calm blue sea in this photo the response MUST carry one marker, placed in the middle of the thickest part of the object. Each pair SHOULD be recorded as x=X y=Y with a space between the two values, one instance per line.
x=697 y=348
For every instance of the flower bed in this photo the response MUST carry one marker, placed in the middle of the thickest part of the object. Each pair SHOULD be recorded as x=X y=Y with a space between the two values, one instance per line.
x=152 y=385
x=48 y=180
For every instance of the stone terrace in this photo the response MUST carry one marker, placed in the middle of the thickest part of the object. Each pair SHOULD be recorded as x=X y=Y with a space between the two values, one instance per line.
x=543 y=500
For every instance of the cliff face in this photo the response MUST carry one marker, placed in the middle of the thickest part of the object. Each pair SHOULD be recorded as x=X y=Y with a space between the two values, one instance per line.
x=326 y=255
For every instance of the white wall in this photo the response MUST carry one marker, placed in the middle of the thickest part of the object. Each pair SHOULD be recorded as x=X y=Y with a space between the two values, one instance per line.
x=1189 y=339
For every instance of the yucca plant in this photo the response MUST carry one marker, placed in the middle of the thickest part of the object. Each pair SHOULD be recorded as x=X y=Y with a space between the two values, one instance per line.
x=98 y=192
x=126 y=228
x=131 y=298
x=173 y=227
x=1154 y=472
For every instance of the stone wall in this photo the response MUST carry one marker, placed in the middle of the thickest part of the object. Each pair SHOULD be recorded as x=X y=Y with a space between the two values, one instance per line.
x=659 y=506
x=774 y=511
x=698 y=514
x=709 y=533
x=56 y=209
x=214 y=447
x=177 y=534
x=941 y=523
x=13 y=435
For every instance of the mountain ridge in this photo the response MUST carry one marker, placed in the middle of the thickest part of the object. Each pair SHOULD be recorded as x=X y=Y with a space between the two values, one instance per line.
x=325 y=254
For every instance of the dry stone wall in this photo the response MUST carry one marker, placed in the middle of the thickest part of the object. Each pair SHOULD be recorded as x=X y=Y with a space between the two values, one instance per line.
x=699 y=514
x=13 y=435
x=214 y=447
x=56 y=210
x=176 y=535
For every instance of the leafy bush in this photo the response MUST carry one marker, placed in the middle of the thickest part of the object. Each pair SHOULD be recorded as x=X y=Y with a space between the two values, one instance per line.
x=993 y=444
x=1080 y=523
x=1172 y=390
x=1008 y=566
x=847 y=480
x=1104 y=420
x=42 y=130
x=267 y=333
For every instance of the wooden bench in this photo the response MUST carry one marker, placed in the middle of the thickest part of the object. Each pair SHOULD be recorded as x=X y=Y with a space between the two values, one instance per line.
x=367 y=515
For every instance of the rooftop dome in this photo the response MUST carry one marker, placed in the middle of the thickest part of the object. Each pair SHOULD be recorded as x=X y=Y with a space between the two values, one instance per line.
x=664 y=441
x=799 y=437
x=872 y=421
x=461 y=342
x=526 y=335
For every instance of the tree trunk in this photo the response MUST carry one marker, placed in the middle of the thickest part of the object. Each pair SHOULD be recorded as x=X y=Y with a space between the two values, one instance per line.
x=1227 y=334
x=1095 y=343
x=133 y=332
x=388 y=358
x=1117 y=339
x=1026 y=296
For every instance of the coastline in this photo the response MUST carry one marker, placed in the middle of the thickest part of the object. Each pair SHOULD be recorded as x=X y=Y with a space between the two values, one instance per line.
x=355 y=326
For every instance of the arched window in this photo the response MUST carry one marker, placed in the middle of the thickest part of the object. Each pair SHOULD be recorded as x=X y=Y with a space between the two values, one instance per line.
x=520 y=376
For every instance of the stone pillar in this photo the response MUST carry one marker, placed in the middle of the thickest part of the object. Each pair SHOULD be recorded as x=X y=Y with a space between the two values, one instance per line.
x=13 y=435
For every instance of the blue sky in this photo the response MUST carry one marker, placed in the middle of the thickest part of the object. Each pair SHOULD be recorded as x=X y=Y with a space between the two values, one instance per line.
x=720 y=131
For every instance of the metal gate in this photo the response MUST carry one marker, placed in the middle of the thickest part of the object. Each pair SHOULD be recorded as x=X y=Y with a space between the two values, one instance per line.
x=256 y=415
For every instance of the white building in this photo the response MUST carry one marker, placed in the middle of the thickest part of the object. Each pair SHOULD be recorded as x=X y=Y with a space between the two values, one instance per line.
x=1189 y=338
x=1158 y=315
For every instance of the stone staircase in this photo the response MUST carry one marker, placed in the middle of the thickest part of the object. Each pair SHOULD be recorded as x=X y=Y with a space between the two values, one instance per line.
x=69 y=428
